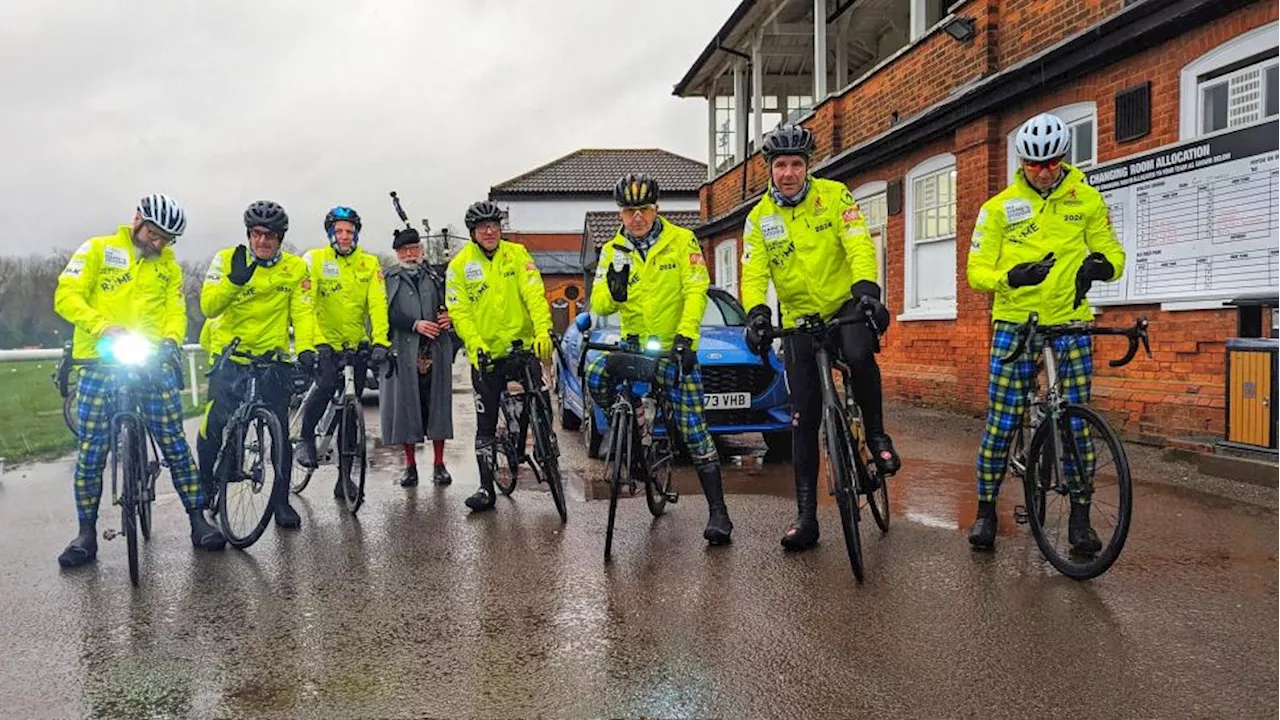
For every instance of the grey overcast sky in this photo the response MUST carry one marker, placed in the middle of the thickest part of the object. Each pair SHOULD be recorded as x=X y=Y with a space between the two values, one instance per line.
x=316 y=103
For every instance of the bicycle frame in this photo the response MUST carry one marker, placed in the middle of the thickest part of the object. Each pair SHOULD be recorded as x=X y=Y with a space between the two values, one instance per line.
x=1051 y=405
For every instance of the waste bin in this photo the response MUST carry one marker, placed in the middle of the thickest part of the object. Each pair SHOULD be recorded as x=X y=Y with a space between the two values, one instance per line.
x=1251 y=392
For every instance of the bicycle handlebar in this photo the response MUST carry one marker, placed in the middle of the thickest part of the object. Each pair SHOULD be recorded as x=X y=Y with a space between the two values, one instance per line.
x=814 y=325
x=1027 y=331
x=272 y=357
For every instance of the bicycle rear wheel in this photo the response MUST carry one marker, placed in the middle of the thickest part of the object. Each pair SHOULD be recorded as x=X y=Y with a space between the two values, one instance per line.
x=69 y=415
x=657 y=489
x=621 y=428
x=353 y=460
x=504 y=440
x=547 y=453
x=1077 y=461
x=877 y=500
x=841 y=465
x=301 y=476
x=250 y=472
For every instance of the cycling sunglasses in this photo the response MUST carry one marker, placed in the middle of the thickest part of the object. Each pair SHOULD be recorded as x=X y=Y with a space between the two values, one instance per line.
x=1038 y=165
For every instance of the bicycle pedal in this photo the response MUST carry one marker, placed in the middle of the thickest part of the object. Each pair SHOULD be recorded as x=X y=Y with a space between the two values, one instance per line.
x=631 y=488
x=1020 y=515
x=673 y=497
x=110 y=534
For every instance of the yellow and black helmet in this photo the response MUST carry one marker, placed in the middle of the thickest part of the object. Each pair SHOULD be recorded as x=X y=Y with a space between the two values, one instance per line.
x=635 y=190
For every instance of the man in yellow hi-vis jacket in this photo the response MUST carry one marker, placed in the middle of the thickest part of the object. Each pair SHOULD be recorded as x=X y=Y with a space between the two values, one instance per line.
x=495 y=296
x=350 y=296
x=256 y=293
x=1039 y=245
x=653 y=275
x=809 y=237
x=121 y=289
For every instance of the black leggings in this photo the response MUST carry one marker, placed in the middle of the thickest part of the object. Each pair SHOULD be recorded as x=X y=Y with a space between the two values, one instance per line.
x=857 y=347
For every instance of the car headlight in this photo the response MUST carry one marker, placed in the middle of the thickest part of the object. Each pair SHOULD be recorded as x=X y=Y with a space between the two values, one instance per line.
x=127 y=349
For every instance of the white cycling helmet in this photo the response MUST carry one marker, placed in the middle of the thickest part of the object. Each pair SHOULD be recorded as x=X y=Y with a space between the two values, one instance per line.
x=1043 y=137
x=164 y=212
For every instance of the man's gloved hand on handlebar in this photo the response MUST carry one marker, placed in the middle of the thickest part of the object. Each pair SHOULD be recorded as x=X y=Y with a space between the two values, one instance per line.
x=870 y=293
x=758 y=323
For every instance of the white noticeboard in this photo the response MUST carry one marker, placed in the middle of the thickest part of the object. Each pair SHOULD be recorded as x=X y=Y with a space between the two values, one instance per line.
x=1198 y=220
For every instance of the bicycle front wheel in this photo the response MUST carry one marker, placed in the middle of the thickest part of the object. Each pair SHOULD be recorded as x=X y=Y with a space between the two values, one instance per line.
x=621 y=429
x=1078 y=478
x=353 y=460
x=547 y=454
x=251 y=470
x=841 y=465
x=504 y=447
x=131 y=470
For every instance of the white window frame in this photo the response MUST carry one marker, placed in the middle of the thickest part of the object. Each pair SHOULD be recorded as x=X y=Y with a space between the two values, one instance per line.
x=912 y=311
x=726 y=254
x=1073 y=115
x=1241 y=47
x=870 y=191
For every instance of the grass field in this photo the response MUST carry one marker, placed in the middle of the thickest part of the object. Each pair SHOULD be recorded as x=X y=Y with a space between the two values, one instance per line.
x=31 y=425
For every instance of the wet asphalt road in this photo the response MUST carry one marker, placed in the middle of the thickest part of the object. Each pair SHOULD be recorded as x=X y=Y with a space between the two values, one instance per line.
x=417 y=609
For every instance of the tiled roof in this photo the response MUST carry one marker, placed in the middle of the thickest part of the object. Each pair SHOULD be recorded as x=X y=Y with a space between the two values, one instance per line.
x=602 y=225
x=596 y=170
x=557 y=262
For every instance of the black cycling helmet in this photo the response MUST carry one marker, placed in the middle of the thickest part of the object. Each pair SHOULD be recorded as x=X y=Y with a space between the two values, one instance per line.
x=269 y=215
x=635 y=190
x=788 y=140
x=482 y=211
x=341 y=212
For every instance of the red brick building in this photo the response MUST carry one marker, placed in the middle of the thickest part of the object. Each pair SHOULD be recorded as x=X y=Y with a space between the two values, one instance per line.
x=546 y=210
x=925 y=97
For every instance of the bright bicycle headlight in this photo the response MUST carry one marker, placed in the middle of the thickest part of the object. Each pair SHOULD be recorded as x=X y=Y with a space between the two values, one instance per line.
x=653 y=344
x=127 y=349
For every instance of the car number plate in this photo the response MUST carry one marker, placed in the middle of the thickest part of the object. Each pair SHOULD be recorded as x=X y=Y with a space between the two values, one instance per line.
x=727 y=401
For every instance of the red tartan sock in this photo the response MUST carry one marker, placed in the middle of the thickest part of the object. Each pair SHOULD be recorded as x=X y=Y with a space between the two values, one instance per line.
x=410 y=457
x=439 y=447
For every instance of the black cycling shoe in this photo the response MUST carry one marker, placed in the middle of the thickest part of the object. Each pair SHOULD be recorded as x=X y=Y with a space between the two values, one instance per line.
x=304 y=453
x=887 y=460
x=719 y=527
x=1083 y=540
x=982 y=534
x=441 y=476
x=410 y=477
x=803 y=533
x=482 y=500
x=83 y=549
x=287 y=517
x=204 y=535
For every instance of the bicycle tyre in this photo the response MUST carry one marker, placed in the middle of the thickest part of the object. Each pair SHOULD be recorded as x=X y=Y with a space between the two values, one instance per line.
x=144 y=504
x=131 y=471
x=658 y=486
x=548 y=454
x=353 y=460
x=265 y=426
x=503 y=446
x=616 y=462
x=842 y=463
x=1035 y=490
x=69 y=415
x=878 y=500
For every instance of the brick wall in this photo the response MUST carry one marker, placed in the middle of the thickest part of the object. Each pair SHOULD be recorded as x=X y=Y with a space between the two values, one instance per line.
x=568 y=242
x=1029 y=26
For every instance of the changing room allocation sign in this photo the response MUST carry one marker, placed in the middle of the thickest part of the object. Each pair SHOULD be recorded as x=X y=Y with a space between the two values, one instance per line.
x=1198 y=220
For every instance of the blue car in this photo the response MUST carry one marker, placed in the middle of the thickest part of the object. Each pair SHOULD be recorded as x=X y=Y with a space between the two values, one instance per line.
x=742 y=394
